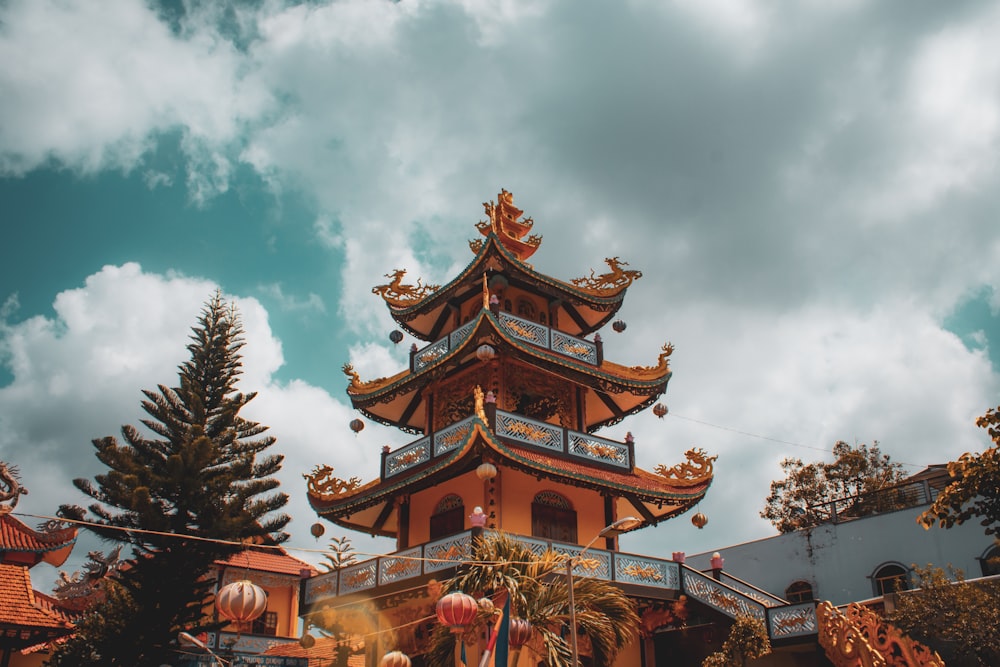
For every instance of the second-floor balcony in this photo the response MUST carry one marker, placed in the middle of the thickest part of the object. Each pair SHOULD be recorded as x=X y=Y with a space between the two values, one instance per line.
x=546 y=437
x=577 y=349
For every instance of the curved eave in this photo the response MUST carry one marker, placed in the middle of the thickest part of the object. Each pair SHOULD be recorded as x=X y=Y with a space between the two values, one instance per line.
x=391 y=401
x=370 y=507
x=374 y=499
x=421 y=318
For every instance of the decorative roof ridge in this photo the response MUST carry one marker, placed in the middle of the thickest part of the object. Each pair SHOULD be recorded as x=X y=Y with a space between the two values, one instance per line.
x=47 y=540
x=324 y=488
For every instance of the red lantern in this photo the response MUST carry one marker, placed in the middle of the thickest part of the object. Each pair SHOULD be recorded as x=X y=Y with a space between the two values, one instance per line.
x=619 y=325
x=241 y=601
x=317 y=530
x=396 y=336
x=699 y=520
x=660 y=410
x=457 y=610
x=395 y=659
x=307 y=641
x=519 y=633
x=357 y=425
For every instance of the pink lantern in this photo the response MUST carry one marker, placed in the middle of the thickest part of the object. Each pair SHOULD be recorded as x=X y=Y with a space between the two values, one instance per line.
x=457 y=610
x=241 y=601
x=520 y=632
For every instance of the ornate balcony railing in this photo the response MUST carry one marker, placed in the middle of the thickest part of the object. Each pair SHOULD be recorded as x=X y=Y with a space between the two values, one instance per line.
x=725 y=594
x=531 y=432
x=537 y=334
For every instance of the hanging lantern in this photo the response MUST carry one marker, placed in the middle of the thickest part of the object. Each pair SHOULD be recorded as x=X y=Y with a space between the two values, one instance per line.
x=396 y=336
x=395 y=659
x=485 y=353
x=241 y=601
x=486 y=471
x=660 y=410
x=456 y=610
x=357 y=425
x=699 y=520
x=317 y=530
x=619 y=325
x=307 y=641
x=520 y=632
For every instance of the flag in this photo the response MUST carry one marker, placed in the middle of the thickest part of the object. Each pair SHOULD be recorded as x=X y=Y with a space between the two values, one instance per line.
x=503 y=634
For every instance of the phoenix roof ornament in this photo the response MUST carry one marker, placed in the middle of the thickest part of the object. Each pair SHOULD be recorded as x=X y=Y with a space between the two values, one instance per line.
x=397 y=294
x=613 y=281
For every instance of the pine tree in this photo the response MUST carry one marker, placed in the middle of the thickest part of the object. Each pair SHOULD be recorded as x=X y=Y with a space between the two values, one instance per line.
x=194 y=472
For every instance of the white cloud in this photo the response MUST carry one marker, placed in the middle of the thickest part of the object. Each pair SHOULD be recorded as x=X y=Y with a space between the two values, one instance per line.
x=92 y=85
x=78 y=376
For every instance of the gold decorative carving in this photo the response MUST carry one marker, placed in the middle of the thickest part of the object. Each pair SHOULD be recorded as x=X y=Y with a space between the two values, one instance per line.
x=323 y=484
x=397 y=294
x=10 y=478
x=453 y=552
x=647 y=572
x=454 y=399
x=801 y=619
x=862 y=638
x=538 y=396
x=613 y=281
x=359 y=578
x=528 y=431
x=476 y=245
x=843 y=643
x=520 y=329
x=480 y=401
x=597 y=450
x=696 y=470
x=504 y=220
x=892 y=643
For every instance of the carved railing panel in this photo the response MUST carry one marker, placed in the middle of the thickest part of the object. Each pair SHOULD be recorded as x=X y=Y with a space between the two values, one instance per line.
x=793 y=620
x=732 y=603
x=598 y=449
x=526 y=330
x=451 y=437
x=408 y=456
x=323 y=586
x=460 y=334
x=647 y=571
x=427 y=356
x=571 y=346
x=401 y=565
x=359 y=577
x=596 y=563
x=448 y=552
x=529 y=431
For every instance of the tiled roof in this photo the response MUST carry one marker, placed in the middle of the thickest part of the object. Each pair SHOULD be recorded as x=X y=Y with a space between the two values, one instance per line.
x=16 y=536
x=277 y=561
x=320 y=654
x=18 y=605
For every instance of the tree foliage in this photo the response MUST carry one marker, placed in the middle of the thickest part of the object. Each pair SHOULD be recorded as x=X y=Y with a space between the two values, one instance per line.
x=959 y=620
x=747 y=640
x=975 y=487
x=538 y=592
x=194 y=471
x=801 y=500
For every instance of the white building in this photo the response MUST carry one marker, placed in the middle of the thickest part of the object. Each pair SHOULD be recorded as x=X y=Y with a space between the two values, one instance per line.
x=848 y=558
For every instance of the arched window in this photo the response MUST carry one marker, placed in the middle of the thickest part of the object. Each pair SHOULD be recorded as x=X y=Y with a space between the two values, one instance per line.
x=448 y=517
x=990 y=561
x=553 y=517
x=799 y=591
x=890 y=578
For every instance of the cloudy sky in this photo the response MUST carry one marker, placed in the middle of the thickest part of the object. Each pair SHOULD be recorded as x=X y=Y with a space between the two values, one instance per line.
x=809 y=189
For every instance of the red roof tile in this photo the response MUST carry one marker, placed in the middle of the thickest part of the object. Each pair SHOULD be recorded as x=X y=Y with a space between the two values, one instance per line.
x=320 y=654
x=18 y=605
x=16 y=536
x=277 y=561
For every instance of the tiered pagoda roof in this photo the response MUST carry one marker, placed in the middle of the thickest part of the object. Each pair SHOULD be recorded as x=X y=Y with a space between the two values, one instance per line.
x=503 y=331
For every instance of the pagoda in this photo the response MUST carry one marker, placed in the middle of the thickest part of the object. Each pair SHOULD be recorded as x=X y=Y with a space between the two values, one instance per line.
x=505 y=395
